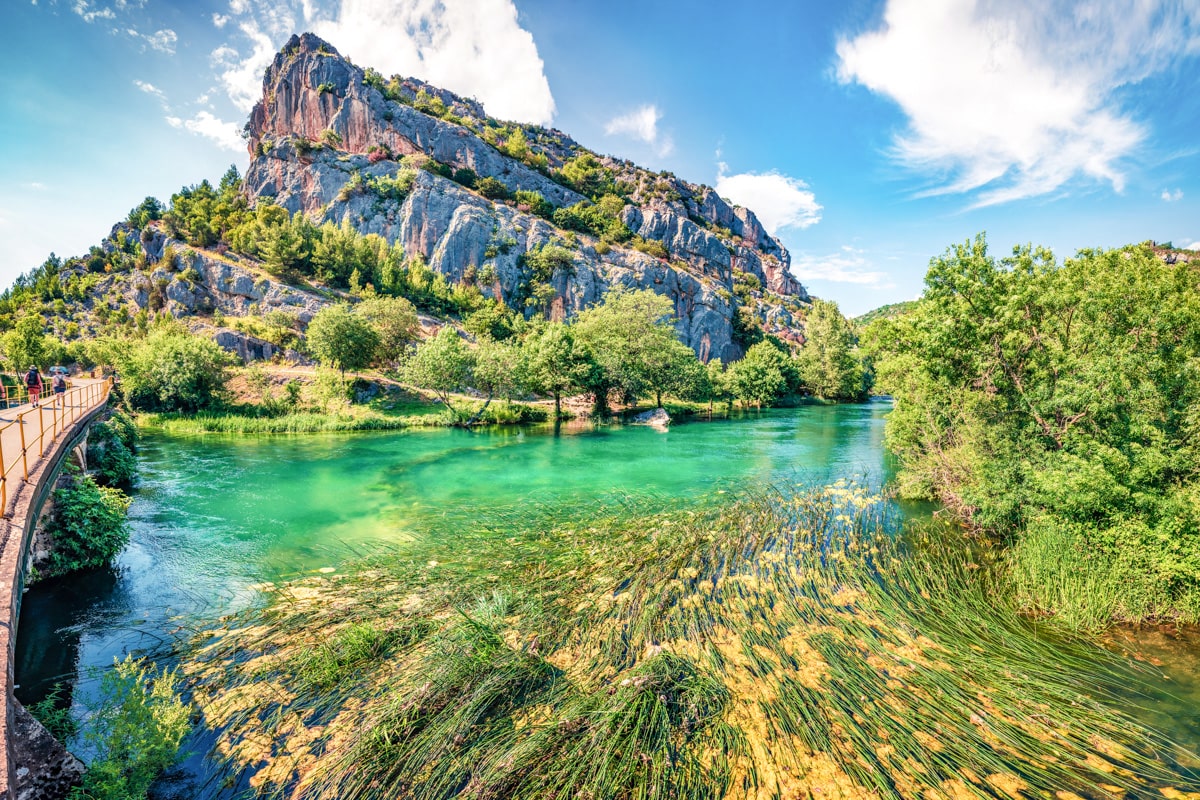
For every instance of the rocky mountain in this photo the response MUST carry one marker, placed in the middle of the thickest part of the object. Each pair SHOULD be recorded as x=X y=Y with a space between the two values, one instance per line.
x=479 y=201
x=327 y=135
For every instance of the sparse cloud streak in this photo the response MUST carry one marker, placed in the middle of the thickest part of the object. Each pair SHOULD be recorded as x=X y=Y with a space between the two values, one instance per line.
x=642 y=124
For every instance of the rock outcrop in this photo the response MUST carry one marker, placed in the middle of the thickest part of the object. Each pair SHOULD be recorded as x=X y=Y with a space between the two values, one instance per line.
x=324 y=128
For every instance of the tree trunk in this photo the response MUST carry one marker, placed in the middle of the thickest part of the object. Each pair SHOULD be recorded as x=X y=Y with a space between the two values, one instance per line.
x=557 y=406
x=478 y=414
x=657 y=398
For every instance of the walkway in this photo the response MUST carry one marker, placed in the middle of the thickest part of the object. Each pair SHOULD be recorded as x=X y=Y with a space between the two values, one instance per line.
x=27 y=433
x=33 y=442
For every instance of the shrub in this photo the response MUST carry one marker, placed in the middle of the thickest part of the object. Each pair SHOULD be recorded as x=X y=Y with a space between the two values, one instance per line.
x=536 y=203
x=110 y=457
x=170 y=370
x=491 y=188
x=331 y=138
x=325 y=88
x=378 y=152
x=394 y=187
x=136 y=730
x=89 y=526
x=651 y=247
x=465 y=176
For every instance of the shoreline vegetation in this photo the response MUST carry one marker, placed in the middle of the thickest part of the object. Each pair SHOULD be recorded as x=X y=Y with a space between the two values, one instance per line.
x=764 y=647
x=1053 y=407
x=400 y=408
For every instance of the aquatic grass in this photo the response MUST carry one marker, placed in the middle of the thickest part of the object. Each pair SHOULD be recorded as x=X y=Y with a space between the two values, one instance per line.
x=301 y=422
x=773 y=646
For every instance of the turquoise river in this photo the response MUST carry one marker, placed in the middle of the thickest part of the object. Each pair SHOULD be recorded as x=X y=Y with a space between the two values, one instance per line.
x=216 y=515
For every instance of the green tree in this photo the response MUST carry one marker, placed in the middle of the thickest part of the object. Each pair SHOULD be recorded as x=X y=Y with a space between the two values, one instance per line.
x=717 y=384
x=1055 y=406
x=135 y=731
x=442 y=365
x=759 y=378
x=553 y=364
x=493 y=320
x=89 y=526
x=169 y=370
x=672 y=369
x=25 y=345
x=496 y=371
x=623 y=337
x=341 y=339
x=394 y=320
x=829 y=365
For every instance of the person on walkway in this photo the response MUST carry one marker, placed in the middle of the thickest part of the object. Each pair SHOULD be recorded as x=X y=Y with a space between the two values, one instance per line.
x=59 y=384
x=33 y=382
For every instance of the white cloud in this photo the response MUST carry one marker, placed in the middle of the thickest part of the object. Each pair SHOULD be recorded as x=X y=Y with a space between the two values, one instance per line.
x=219 y=20
x=152 y=90
x=473 y=47
x=243 y=77
x=850 y=265
x=36 y=186
x=84 y=9
x=1169 y=196
x=1014 y=98
x=641 y=124
x=227 y=135
x=163 y=41
x=1193 y=246
x=779 y=201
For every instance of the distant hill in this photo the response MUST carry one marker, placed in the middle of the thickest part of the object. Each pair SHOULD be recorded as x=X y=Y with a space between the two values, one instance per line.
x=884 y=312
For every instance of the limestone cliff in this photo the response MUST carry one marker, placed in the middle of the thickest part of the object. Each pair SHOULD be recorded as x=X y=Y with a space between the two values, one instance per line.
x=325 y=128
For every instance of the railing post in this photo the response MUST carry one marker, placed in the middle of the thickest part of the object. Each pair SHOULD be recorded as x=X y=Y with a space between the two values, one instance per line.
x=3 y=481
x=41 y=430
x=24 y=447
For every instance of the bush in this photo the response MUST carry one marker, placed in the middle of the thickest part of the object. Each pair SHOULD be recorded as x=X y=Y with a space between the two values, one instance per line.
x=465 y=176
x=651 y=247
x=491 y=188
x=89 y=526
x=136 y=730
x=110 y=457
x=170 y=370
x=536 y=204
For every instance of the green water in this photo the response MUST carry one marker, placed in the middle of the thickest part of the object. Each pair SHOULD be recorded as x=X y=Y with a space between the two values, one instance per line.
x=217 y=515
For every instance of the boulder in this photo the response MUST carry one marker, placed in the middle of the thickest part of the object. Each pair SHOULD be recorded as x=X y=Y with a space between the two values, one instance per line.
x=658 y=419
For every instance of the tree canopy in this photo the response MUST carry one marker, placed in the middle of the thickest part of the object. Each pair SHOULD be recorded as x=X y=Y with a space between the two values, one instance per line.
x=1050 y=402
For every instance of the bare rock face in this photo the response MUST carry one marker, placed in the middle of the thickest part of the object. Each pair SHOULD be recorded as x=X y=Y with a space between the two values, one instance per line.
x=201 y=282
x=311 y=95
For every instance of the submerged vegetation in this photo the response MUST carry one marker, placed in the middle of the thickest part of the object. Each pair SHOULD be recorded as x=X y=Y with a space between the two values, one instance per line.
x=773 y=647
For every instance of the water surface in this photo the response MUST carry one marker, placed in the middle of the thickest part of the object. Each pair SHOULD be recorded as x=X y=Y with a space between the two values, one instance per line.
x=216 y=515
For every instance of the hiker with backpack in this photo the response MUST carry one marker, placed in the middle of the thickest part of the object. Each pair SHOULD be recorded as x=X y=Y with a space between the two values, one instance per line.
x=59 y=384
x=33 y=382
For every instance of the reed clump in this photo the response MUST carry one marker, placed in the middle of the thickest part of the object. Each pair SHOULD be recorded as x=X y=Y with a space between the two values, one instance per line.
x=770 y=647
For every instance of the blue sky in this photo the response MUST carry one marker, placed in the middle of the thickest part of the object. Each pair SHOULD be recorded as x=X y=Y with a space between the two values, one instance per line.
x=869 y=134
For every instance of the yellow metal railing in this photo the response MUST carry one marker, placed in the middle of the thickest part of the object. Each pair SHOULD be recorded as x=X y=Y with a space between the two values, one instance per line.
x=53 y=415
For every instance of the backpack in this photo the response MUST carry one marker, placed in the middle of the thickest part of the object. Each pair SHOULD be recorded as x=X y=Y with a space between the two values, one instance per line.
x=59 y=382
x=32 y=378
